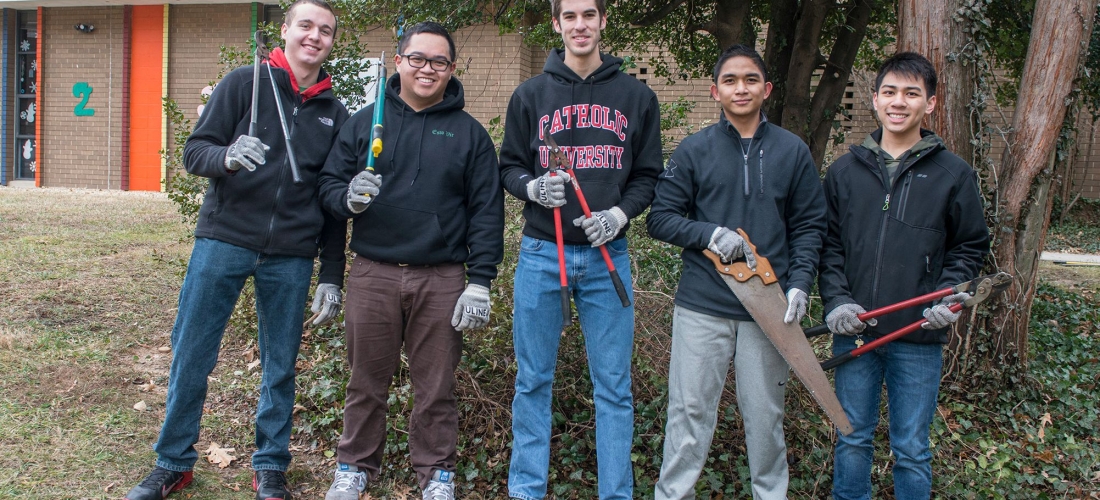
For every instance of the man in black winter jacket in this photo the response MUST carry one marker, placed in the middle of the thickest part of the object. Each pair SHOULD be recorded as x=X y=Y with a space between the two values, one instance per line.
x=255 y=221
x=742 y=172
x=608 y=125
x=428 y=234
x=905 y=219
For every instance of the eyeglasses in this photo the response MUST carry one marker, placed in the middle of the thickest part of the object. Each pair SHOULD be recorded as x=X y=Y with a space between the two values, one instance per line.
x=419 y=62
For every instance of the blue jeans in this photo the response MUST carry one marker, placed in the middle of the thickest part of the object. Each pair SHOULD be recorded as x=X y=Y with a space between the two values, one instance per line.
x=912 y=376
x=215 y=276
x=608 y=330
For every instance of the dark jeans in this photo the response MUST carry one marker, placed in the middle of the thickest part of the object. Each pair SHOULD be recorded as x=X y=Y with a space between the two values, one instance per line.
x=388 y=306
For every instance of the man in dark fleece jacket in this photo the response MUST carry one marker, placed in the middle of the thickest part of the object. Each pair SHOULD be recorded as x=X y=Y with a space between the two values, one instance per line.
x=742 y=172
x=608 y=123
x=905 y=219
x=255 y=221
x=428 y=234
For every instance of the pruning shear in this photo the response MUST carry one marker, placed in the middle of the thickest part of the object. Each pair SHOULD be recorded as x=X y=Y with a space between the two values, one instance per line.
x=980 y=289
x=558 y=161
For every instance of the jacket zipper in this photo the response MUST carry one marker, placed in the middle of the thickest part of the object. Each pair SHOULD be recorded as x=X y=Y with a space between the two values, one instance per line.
x=885 y=180
x=905 y=195
x=760 y=167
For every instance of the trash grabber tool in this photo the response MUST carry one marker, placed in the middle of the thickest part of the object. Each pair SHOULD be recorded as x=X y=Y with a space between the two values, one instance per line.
x=979 y=289
x=556 y=152
x=379 y=108
x=261 y=51
x=256 y=58
x=557 y=160
x=759 y=292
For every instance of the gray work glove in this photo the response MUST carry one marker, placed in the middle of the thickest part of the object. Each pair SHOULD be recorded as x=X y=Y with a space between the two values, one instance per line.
x=247 y=152
x=361 y=190
x=326 y=303
x=939 y=316
x=603 y=226
x=729 y=246
x=797 y=301
x=547 y=190
x=843 y=320
x=472 y=309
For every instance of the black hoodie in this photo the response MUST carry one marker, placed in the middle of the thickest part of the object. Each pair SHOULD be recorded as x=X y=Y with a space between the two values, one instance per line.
x=608 y=124
x=264 y=210
x=440 y=200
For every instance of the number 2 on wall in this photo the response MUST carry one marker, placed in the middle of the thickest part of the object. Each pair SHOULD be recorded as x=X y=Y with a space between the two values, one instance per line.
x=82 y=89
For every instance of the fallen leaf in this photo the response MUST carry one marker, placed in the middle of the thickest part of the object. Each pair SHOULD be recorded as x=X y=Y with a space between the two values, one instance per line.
x=1043 y=422
x=1045 y=457
x=248 y=354
x=253 y=365
x=219 y=456
x=141 y=406
x=165 y=349
x=148 y=387
x=1096 y=476
x=107 y=489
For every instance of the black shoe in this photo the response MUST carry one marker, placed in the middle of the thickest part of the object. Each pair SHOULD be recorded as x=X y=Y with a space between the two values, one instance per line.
x=270 y=485
x=159 y=483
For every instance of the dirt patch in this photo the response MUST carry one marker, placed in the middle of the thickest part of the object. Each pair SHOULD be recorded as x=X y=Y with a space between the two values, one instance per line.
x=1081 y=278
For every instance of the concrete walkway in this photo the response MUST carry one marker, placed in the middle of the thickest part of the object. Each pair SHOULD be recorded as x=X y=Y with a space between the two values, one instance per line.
x=1071 y=258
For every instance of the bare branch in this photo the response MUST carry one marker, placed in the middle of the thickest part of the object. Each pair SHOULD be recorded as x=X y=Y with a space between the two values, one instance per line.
x=653 y=17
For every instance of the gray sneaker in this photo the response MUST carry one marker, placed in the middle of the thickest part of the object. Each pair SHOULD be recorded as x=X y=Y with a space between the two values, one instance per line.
x=349 y=483
x=441 y=486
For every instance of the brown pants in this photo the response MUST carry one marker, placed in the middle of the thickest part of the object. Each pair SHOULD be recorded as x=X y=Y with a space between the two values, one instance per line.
x=388 y=306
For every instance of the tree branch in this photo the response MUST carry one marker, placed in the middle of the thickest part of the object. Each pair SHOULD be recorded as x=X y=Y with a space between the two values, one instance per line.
x=651 y=18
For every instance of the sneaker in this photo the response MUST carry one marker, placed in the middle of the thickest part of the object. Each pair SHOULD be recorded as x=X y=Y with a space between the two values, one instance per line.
x=441 y=486
x=349 y=483
x=270 y=485
x=159 y=483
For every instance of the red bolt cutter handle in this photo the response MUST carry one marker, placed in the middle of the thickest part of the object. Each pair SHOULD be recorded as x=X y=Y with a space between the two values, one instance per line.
x=840 y=359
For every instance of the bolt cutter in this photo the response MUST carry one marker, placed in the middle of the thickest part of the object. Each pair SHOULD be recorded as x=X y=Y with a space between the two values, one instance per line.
x=980 y=289
x=558 y=161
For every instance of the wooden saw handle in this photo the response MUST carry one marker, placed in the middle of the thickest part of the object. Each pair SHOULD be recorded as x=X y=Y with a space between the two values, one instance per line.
x=739 y=270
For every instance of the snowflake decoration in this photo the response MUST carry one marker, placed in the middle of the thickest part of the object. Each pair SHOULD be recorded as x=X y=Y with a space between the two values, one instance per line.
x=31 y=166
x=34 y=66
x=34 y=87
x=25 y=46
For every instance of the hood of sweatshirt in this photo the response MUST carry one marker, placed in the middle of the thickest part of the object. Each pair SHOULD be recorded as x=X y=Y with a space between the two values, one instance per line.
x=555 y=65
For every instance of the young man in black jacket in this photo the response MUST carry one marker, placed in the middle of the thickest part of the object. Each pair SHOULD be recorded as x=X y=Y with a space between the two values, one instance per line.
x=905 y=219
x=428 y=234
x=608 y=124
x=742 y=172
x=255 y=221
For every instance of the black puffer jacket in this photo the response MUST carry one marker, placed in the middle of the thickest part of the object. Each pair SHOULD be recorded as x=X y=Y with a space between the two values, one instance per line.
x=264 y=210
x=888 y=242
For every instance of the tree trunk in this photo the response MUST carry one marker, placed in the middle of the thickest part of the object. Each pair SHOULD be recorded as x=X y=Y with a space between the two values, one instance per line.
x=804 y=60
x=730 y=19
x=1059 y=36
x=834 y=80
x=777 y=55
x=930 y=29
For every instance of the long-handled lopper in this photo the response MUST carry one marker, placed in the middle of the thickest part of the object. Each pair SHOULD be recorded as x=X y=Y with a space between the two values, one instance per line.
x=262 y=53
x=980 y=289
x=559 y=161
x=379 y=107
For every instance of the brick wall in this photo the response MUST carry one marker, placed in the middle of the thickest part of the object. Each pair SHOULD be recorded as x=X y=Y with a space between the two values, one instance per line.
x=81 y=151
x=196 y=34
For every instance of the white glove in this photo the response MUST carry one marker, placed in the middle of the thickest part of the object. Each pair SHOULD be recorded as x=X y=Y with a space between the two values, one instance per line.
x=797 y=300
x=361 y=190
x=729 y=246
x=548 y=190
x=939 y=316
x=326 y=303
x=843 y=319
x=247 y=152
x=603 y=226
x=472 y=309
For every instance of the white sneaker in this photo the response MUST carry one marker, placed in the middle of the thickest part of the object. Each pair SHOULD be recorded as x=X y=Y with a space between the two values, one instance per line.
x=441 y=486
x=350 y=482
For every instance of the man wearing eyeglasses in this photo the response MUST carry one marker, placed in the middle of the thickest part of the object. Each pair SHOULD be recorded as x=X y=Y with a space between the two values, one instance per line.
x=428 y=234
